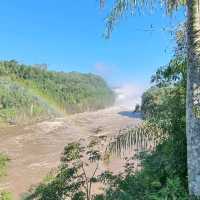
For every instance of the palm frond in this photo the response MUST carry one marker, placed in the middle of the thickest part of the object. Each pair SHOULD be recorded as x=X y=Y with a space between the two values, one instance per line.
x=121 y=7
x=144 y=137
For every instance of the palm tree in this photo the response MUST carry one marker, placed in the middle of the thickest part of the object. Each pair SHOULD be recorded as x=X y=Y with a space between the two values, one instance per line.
x=193 y=73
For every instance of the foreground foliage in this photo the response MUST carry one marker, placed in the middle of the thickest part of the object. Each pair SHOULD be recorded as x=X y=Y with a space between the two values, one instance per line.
x=75 y=176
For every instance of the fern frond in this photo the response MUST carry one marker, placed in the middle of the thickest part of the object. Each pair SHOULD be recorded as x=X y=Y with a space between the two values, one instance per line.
x=144 y=137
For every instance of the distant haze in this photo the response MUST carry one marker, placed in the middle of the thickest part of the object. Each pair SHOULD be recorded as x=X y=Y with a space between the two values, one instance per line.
x=128 y=95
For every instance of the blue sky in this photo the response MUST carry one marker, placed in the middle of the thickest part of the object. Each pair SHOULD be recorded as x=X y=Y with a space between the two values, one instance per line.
x=67 y=35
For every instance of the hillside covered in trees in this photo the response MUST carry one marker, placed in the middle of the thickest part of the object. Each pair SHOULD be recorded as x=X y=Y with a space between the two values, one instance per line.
x=33 y=92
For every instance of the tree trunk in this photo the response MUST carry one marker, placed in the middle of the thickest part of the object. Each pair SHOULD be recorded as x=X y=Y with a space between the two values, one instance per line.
x=193 y=97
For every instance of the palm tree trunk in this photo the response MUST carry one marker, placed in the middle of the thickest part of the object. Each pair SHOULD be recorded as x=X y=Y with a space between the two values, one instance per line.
x=193 y=97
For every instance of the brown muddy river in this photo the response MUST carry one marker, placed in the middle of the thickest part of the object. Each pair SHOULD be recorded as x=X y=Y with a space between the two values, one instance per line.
x=35 y=149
